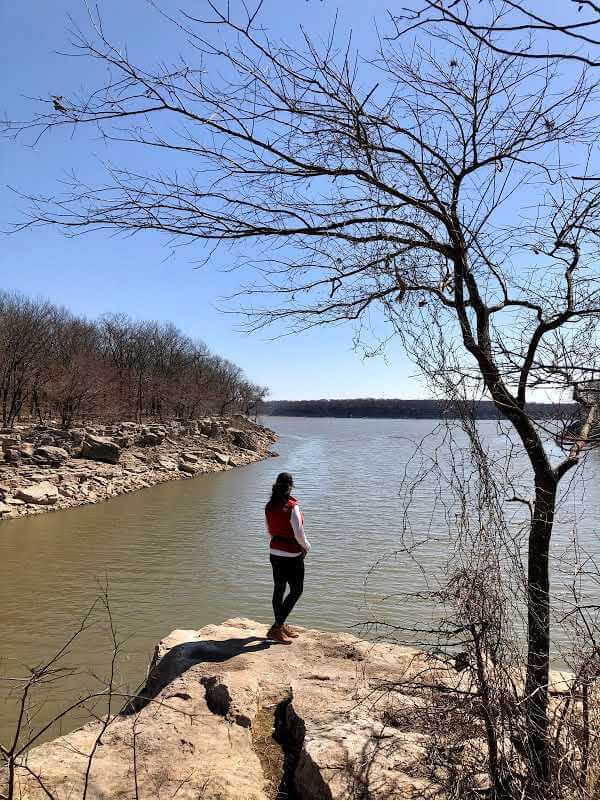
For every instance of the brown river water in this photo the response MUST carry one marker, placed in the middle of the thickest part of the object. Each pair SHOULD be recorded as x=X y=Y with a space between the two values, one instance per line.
x=188 y=553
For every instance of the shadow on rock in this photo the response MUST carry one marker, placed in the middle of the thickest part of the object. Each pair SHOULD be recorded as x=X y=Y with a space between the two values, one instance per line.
x=178 y=660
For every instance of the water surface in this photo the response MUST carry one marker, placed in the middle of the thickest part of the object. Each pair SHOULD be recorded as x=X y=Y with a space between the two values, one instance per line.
x=188 y=553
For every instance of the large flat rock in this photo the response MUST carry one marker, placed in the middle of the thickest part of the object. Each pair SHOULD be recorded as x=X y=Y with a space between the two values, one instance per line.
x=227 y=714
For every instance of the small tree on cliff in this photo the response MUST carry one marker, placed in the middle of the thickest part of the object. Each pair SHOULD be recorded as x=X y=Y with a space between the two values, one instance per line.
x=428 y=182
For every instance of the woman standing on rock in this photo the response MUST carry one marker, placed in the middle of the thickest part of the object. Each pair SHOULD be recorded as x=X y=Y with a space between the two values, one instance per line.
x=288 y=547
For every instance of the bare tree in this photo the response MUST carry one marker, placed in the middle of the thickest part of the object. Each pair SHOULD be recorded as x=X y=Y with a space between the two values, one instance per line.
x=78 y=373
x=426 y=183
x=568 y=30
x=474 y=608
x=40 y=678
x=25 y=327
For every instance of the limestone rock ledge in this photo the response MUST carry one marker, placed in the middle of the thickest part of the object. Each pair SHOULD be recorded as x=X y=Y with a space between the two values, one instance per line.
x=225 y=713
x=44 y=468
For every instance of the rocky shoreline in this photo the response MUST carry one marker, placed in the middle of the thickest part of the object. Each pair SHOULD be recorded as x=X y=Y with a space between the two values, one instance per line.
x=45 y=468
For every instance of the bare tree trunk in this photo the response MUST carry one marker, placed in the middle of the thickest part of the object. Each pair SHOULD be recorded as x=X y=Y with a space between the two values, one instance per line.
x=139 y=398
x=487 y=704
x=538 y=632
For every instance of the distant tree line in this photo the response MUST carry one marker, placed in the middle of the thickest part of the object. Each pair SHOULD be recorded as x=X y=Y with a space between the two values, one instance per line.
x=423 y=408
x=55 y=365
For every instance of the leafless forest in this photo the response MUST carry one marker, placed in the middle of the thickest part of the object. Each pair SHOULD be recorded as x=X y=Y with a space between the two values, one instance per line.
x=57 y=366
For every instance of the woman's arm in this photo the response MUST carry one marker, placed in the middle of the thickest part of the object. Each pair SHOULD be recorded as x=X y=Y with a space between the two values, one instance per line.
x=298 y=528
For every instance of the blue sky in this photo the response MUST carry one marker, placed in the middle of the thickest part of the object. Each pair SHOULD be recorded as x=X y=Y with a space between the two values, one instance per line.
x=140 y=276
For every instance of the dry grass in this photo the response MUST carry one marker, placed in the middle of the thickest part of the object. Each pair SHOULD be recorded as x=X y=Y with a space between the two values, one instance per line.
x=269 y=751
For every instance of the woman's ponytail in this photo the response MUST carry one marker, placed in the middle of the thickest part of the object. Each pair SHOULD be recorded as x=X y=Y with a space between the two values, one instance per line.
x=281 y=490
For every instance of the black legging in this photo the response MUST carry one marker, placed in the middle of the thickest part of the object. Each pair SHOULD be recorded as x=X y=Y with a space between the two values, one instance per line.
x=286 y=570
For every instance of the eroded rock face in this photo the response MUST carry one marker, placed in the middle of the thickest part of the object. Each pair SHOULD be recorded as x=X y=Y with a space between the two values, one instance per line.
x=228 y=714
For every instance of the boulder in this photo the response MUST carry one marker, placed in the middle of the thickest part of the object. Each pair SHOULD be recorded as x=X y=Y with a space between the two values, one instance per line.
x=210 y=428
x=129 y=425
x=76 y=437
x=222 y=458
x=35 y=477
x=51 y=454
x=150 y=436
x=12 y=456
x=167 y=464
x=123 y=440
x=100 y=449
x=52 y=436
x=68 y=490
x=188 y=467
x=45 y=493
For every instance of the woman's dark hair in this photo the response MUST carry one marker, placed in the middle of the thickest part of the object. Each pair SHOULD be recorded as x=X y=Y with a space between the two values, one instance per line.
x=281 y=489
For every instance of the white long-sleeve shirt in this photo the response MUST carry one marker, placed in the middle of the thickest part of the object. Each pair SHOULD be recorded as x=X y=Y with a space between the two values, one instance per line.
x=300 y=536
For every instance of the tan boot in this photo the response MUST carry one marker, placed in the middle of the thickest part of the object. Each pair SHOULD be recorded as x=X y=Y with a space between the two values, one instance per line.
x=276 y=633
x=289 y=632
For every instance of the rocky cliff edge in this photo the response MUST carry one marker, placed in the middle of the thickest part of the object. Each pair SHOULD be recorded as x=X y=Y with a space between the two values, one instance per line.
x=225 y=713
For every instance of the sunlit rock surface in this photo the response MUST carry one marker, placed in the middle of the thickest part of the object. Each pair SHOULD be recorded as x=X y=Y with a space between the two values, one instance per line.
x=227 y=714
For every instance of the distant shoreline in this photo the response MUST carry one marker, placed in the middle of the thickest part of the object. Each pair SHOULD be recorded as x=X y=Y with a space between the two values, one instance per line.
x=395 y=408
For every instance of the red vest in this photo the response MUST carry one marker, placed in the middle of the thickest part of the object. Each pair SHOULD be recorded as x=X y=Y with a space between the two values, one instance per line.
x=279 y=523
